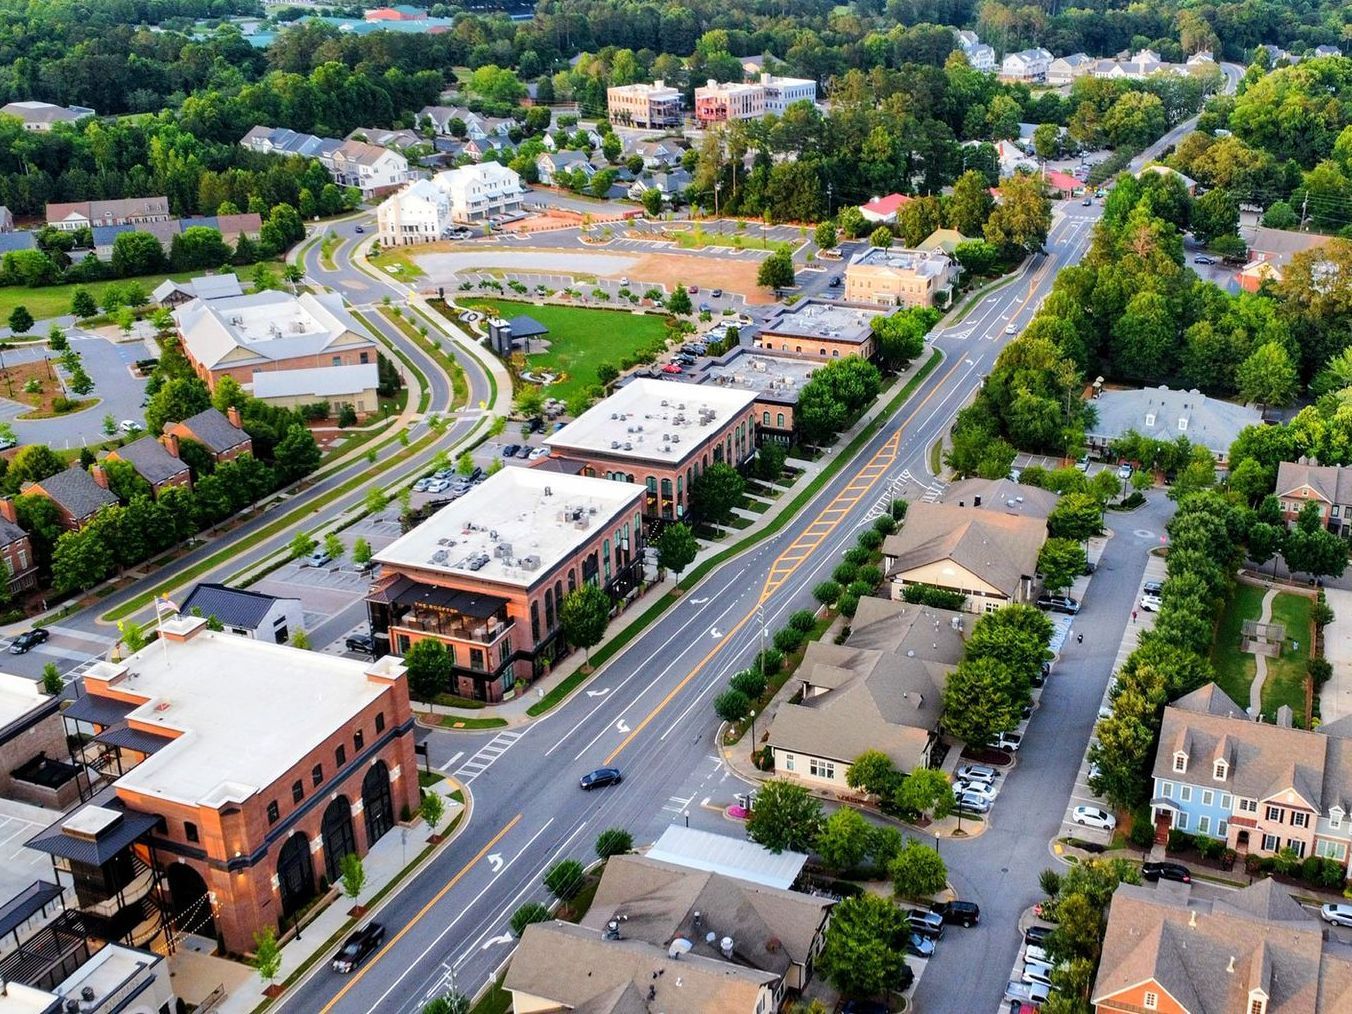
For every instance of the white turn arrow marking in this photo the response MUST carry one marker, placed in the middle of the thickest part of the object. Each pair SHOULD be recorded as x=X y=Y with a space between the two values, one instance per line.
x=698 y=602
x=598 y=693
x=621 y=726
x=505 y=938
x=714 y=632
x=495 y=860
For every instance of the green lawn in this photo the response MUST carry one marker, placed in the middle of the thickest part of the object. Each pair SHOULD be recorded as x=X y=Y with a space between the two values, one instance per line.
x=54 y=300
x=751 y=239
x=581 y=339
x=1286 y=675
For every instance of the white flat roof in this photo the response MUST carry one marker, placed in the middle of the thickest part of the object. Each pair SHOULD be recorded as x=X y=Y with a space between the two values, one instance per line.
x=244 y=711
x=18 y=696
x=515 y=526
x=633 y=422
x=319 y=381
x=821 y=319
x=732 y=857
x=107 y=970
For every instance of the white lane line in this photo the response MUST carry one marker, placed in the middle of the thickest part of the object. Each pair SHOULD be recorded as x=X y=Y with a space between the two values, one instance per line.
x=443 y=767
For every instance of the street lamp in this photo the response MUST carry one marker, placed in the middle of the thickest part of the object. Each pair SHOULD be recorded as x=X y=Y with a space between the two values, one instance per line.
x=753 y=734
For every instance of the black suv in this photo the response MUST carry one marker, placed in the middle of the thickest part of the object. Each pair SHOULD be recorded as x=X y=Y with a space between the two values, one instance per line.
x=357 y=946
x=1037 y=935
x=964 y=913
x=1166 y=871
x=28 y=640
x=363 y=643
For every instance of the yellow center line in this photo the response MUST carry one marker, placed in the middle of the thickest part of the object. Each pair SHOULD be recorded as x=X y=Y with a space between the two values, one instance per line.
x=421 y=912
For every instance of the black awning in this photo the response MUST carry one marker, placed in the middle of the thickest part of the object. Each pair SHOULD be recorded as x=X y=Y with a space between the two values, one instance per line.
x=453 y=599
x=98 y=710
x=132 y=739
x=27 y=903
x=97 y=850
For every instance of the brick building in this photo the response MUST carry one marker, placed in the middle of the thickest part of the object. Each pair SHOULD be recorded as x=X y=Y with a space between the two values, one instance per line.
x=487 y=574
x=16 y=549
x=220 y=433
x=154 y=462
x=776 y=379
x=78 y=494
x=821 y=329
x=235 y=839
x=661 y=436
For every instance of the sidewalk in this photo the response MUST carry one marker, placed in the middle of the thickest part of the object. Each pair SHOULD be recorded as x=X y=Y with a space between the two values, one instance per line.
x=514 y=711
x=197 y=975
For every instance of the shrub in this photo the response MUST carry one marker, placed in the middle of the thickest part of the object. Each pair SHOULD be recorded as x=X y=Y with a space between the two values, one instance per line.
x=531 y=912
x=826 y=592
x=732 y=705
x=1134 y=499
x=884 y=525
x=848 y=604
x=1209 y=848
x=871 y=575
x=1050 y=882
x=899 y=509
x=789 y=639
x=1179 y=841
x=859 y=589
x=870 y=540
x=1142 y=831
x=1321 y=612
x=844 y=573
x=748 y=682
x=804 y=620
x=936 y=598
x=858 y=556
x=769 y=662
x=615 y=841
x=1320 y=671
x=564 y=878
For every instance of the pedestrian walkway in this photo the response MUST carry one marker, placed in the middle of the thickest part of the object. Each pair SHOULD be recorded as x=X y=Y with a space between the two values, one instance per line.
x=1260 y=660
x=1335 y=697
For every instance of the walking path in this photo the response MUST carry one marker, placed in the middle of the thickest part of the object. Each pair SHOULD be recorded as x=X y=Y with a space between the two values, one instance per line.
x=1260 y=660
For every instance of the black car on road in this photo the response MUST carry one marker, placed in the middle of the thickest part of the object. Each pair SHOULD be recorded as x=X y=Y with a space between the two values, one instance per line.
x=28 y=640
x=358 y=946
x=1166 y=871
x=964 y=913
x=600 y=777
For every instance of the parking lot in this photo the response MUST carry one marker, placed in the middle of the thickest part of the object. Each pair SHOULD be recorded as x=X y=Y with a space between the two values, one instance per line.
x=120 y=394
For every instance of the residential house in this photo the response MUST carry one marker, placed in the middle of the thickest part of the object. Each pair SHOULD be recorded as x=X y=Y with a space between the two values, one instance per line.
x=154 y=463
x=1189 y=184
x=945 y=241
x=485 y=148
x=1278 y=246
x=663 y=153
x=891 y=276
x=1013 y=159
x=1255 y=274
x=1028 y=66
x=671 y=185
x=1327 y=50
x=551 y=163
x=419 y=213
x=1062 y=185
x=221 y=434
x=385 y=138
x=880 y=690
x=370 y=168
x=78 y=494
x=738 y=946
x=43 y=116
x=883 y=210
x=655 y=106
x=1202 y=57
x=979 y=55
x=439 y=118
x=91 y=214
x=355 y=386
x=20 y=240
x=1163 y=413
x=247 y=613
x=1307 y=481
x=481 y=191
x=1065 y=69
x=722 y=102
x=240 y=336
x=283 y=141
x=988 y=556
x=16 y=550
x=1259 y=787
x=1255 y=950
x=170 y=293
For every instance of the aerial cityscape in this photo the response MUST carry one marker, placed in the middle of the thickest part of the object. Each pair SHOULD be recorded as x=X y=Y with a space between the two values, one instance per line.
x=629 y=508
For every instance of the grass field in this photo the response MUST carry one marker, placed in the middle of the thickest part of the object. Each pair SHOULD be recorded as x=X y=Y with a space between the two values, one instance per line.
x=54 y=300
x=1286 y=675
x=751 y=239
x=581 y=339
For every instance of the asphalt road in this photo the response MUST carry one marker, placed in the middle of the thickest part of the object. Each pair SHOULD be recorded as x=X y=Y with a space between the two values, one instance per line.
x=649 y=711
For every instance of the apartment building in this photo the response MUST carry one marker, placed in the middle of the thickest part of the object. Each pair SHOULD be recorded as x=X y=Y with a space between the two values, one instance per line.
x=655 y=106
x=1307 y=481
x=218 y=840
x=426 y=210
x=487 y=574
x=92 y=214
x=782 y=92
x=1066 y=69
x=154 y=462
x=1028 y=66
x=896 y=277
x=722 y=102
x=661 y=437
x=979 y=55
x=368 y=167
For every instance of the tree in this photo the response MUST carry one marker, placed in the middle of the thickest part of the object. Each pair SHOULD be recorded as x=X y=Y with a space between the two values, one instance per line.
x=20 y=320
x=1076 y=516
x=33 y=463
x=717 y=491
x=732 y=705
x=874 y=772
x=970 y=204
x=983 y=697
x=267 y=959
x=433 y=809
x=901 y=336
x=584 y=616
x=131 y=635
x=526 y=915
x=860 y=956
x=52 y=683
x=844 y=839
x=653 y=202
x=679 y=300
x=1046 y=140
x=1268 y=376
x=917 y=871
x=353 y=875
x=925 y=791
x=302 y=545
x=1214 y=214
x=300 y=639
x=454 y=1002
x=429 y=669
x=564 y=879
x=176 y=400
x=1019 y=223
x=296 y=454
x=333 y=546
x=137 y=253
x=676 y=549
x=1060 y=562
x=81 y=560
x=361 y=551
x=826 y=237
x=785 y=816
x=881 y=237
x=615 y=841
x=82 y=305
x=776 y=271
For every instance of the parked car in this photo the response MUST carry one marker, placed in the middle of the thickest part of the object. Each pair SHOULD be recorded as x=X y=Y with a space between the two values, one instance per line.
x=835 y=281
x=705 y=307
x=1125 y=470
x=1037 y=935
x=510 y=450
x=929 y=924
x=977 y=773
x=1338 y=913
x=1153 y=587
x=1151 y=603
x=1202 y=259
x=624 y=282
x=438 y=486
x=523 y=451
x=1088 y=202
x=362 y=942
x=1027 y=992
x=421 y=485
x=1033 y=952
x=1092 y=816
x=973 y=803
x=28 y=640
x=715 y=293
x=1083 y=463
x=363 y=643
x=1105 y=712
x=964 y=913
x=694 y=348
x=538 y=453
x=7 y=442
x=920 y=946
x=443 y=473
x=600 y=777
x=130 y=426
x=692 y=288
x=1166 y=871
x=671 y=368
x=1059 y=604
x=319 y=558
x=1037 y=971
x=1009 y=741
x=983 y=790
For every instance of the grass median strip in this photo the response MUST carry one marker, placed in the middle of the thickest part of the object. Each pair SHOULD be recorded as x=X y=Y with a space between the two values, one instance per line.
x=425 y=398
x=612 y=647
x=459 y=385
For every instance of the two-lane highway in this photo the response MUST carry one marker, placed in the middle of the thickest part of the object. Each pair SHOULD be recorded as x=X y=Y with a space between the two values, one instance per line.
x=648 y=711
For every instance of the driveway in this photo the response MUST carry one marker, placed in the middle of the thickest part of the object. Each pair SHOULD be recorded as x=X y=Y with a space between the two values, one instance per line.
x=1335 y=699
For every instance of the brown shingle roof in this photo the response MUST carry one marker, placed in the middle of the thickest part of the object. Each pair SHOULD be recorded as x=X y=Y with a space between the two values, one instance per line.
x=1000 y=549
x=1332 y=482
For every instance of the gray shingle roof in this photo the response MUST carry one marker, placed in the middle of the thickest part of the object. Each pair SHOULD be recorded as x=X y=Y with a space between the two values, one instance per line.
x=234 y=607
x=10 y=533
x=152 y=462
x=1162 y=413
x=76 y=492
x=215 y=431
x=999 y=549
x=1333 y=483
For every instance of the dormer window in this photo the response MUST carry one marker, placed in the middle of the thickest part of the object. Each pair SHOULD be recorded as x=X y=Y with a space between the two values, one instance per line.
x=1336 y=817
x=1220 y=771
x=1180 y=762
x=1182 y=424
x=1257 y=1002
x=1150 y=418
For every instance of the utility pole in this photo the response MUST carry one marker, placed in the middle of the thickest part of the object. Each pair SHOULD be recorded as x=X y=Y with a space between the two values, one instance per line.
x=829 y=189
x=1304 y=207
x=718 y=185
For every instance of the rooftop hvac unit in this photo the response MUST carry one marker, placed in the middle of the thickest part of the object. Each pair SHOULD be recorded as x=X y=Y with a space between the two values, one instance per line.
x=440 y=556
x=529 y=562
x=503 y=550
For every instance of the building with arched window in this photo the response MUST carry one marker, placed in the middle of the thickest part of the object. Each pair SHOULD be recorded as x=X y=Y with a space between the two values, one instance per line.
x=231 y=775
x=775 y=378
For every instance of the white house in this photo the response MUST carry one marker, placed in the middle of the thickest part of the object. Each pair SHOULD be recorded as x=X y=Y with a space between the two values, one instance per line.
x=370 y=168
x=551 y=163
x=420 y=213
x=1028 y=66
x=979 y=55
x=1065 y=69
x=248 y=613
x=478 y=191
x=42 y=115
x=425 y=210
x=782 y=92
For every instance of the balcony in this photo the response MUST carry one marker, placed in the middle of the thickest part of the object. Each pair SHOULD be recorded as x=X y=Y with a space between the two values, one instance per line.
x=455 y=628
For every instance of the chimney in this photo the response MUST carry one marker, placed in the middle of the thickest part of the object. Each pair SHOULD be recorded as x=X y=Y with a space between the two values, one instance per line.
x=170 y=441
x=976 y=500
x=97 y=473
x=7 y=510
x=232 y=414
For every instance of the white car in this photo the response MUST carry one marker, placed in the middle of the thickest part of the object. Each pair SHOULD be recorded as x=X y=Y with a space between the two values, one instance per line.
x=1151 y=603
x=1035 y=953
x=438 y=486
x=1010 y=329
x=538 y=453
x=1009 y=741
x=1037 y=971
x=1124 y=470
x=421 y=485
x=130 y=426
x=973 y=803
x=1092 y=816
x=1339 y=914
x=977 y=773
x=1027 y=992
x=983 y=790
